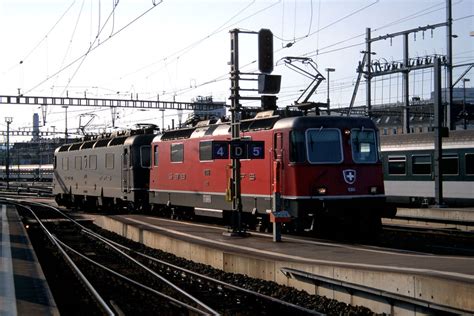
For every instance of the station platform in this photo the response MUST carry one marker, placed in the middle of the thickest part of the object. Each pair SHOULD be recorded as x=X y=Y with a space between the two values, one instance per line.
x=440 y=217
x=23 y=287
x=442 y=280
x=446 y=214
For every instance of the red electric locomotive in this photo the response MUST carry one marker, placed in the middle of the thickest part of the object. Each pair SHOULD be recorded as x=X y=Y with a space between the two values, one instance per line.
x=324 y=171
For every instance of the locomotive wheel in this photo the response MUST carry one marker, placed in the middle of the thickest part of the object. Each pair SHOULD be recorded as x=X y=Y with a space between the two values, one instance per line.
x=263 y=224
x=131 y=208
x=366 y=226
x=325 y=226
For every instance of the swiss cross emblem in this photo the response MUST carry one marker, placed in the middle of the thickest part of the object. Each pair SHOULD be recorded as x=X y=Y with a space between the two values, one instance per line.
x=349 y=176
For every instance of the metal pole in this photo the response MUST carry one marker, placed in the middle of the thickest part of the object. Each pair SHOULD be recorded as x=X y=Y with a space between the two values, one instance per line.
x=438 y=148
x=162 y=120
x=449 y=66
x=464 y=113
x=235 y=131
x=328 y=99
x=405 y=87
x=368 y=53
x=8 y=120
x=65 y=124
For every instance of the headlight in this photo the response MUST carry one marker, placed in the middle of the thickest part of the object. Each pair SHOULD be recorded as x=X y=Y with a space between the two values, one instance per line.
x=373 y=190
x=321 y=191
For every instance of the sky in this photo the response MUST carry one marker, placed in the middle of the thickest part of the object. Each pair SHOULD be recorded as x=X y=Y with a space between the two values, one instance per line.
x=180 y=49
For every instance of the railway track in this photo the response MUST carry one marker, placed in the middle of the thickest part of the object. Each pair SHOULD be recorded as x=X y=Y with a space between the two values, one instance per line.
x=406 y=236
x=439 y=241
x=114 y=279
x=26 y=189
x=230 y=291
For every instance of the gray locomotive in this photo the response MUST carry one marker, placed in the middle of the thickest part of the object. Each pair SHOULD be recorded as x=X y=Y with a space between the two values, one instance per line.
x=110 y=171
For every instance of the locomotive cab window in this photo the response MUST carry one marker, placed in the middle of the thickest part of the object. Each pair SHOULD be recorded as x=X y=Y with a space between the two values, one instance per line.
x=205 y=151
x=364 y=148
x=125 y=159
x=145 y=156
x=397 y=165
x=450 y=164
x=177 y=152
x=323 y=145
x=421 y=164
x=297 y=146
x=155 y=155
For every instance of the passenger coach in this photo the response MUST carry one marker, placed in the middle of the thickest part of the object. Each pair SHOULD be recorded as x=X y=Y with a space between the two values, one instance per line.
x=409 y=168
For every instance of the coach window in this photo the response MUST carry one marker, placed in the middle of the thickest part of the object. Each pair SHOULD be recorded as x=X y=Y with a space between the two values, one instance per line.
x=177 y=152
x=363 y=146
x=145 y=156
x=297 y=146
x=469 y=164
x=155 y=155
x=109 y=161
x=205 y=151
x=93 y=162
x=450 y=164
x=421 y=164
x=78 y=163
x=397 y=165
x=324 y=145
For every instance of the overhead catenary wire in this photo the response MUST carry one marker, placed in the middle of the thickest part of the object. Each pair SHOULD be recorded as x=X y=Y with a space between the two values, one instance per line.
x=97 y=39
x=179 y=53
x=94 y=48
x=25 y=58
x=71 y=38
x=398 y=21
x=325 y=49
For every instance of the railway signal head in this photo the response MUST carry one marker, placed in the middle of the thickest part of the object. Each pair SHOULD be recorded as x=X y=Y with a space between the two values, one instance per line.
x=265 y=51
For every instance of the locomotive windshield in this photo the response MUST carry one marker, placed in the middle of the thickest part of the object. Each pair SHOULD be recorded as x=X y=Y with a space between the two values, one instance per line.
x=364 y=147
x=324 y=145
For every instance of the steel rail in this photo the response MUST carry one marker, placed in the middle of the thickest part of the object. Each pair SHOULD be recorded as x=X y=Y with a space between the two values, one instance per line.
x=102 y=304
x=231 y=286
x=113 y=246
x=353 y=288
x=222 y=283
x=177 y=302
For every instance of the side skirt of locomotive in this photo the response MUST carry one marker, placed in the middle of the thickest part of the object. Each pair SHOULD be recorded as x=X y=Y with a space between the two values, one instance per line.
x=351 y=215
x=136 y=200
x=210 y=204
